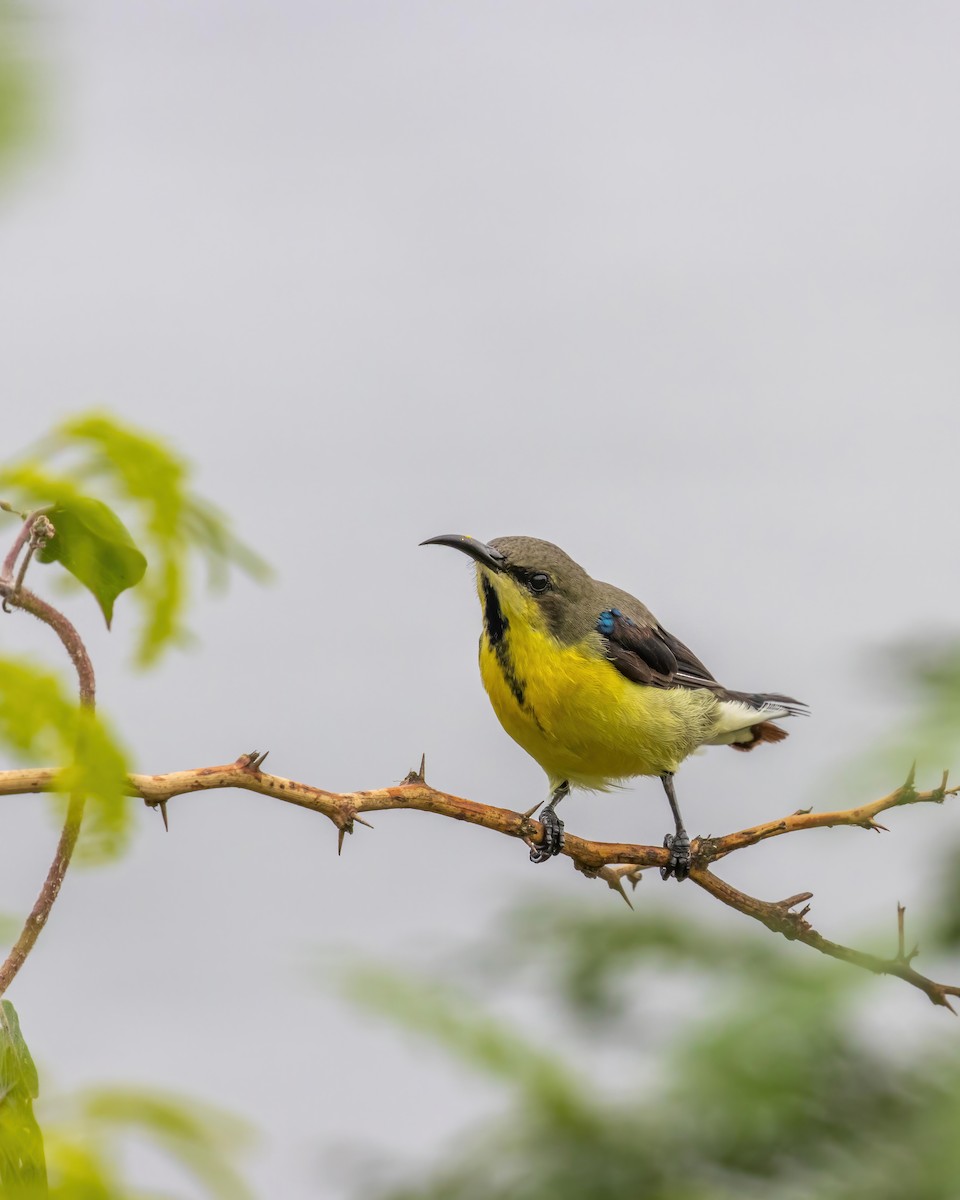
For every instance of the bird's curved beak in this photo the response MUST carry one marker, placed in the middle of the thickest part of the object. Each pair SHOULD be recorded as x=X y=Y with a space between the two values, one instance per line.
x=485 y=555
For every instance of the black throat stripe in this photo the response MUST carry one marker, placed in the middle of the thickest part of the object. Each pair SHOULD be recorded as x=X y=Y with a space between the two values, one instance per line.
x=496 y=627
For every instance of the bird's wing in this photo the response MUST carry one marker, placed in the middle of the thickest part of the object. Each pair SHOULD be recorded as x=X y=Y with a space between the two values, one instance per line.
x=689 y=668
x=645 y=653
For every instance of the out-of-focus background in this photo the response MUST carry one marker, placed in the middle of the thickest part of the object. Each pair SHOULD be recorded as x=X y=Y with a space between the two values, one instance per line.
x=671 y=284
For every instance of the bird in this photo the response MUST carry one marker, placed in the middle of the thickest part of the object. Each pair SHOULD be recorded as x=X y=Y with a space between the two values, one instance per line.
x=586 y=680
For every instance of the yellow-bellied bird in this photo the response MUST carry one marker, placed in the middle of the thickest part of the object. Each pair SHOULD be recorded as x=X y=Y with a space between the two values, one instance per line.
x=588 y=682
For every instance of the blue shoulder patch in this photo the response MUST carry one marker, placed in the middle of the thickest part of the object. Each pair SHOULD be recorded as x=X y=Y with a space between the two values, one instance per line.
x=605 y=621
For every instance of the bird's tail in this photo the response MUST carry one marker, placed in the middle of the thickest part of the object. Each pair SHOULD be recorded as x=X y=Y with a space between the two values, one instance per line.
x=747 y=718
x=766 y=731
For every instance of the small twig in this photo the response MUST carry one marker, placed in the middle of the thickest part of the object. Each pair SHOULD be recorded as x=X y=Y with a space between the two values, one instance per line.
x=902 y=955
x=41 y=531
x=10 y=562
x=716 y=848
x=26 y=535
x=778 y=918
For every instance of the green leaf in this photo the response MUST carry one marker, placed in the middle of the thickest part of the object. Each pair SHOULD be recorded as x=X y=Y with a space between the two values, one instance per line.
x=145 y=476
x=23 y=1170
x=17 y=1069
x=94 y=545
x=41 y=722
x=203 y=1140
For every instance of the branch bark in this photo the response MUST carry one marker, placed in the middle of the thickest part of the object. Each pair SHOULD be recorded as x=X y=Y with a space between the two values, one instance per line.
x=614 y=862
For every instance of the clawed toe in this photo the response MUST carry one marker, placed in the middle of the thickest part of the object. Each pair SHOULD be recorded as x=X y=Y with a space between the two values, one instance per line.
x=552 y=842
x=679 y=864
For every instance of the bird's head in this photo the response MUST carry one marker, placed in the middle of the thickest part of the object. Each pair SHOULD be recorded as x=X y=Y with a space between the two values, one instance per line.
x=526 y=580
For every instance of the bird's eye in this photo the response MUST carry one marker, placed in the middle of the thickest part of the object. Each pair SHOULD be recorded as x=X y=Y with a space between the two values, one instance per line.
x=539 y=582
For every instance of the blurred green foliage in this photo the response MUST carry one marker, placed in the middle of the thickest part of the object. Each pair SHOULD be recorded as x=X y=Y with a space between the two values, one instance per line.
x=760 y=1083
x=41 y=722
x=85 y=1144
x=926 y=673
x=44 y=725
x=16 y=86
x=86 y=1136
x=96 y=456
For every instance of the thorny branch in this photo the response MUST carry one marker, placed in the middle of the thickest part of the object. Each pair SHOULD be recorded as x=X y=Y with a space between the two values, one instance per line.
x=614 y=862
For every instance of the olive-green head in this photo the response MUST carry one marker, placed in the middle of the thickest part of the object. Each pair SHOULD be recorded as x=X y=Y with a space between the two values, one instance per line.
x=530 y=580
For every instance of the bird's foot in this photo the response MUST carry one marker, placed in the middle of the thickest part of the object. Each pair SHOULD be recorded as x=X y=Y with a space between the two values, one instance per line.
x=679 y=864
x=552 y=842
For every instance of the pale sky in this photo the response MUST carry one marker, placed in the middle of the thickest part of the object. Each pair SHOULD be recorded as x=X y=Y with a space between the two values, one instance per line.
x=674 y=285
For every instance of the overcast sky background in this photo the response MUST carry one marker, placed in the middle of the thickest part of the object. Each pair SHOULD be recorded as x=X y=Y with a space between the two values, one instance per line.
x=675 y=285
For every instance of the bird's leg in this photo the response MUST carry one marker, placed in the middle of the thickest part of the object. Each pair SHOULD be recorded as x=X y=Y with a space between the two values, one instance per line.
x=552 y=827
x=678 y=844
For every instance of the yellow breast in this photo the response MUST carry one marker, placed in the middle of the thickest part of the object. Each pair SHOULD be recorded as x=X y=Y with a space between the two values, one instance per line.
x=583 y=721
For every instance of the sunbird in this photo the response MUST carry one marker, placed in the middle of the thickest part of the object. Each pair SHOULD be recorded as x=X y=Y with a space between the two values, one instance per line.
x=585 y=678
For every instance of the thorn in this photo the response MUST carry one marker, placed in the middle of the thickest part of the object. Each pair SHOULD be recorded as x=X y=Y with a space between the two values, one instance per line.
x=361 y=821
x=618 y=887
x=340 y=832
x=911 y=778
x=802 y=812
x=162 y=805
x=530 y=811
x=416 y=776
x=251 y=761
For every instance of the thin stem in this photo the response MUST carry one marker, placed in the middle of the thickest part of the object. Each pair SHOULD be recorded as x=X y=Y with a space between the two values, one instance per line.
x=31 y=550
x=20 y=597
x=30 y=602
x=26 y=529
x=10 y=562
x=47 y=895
